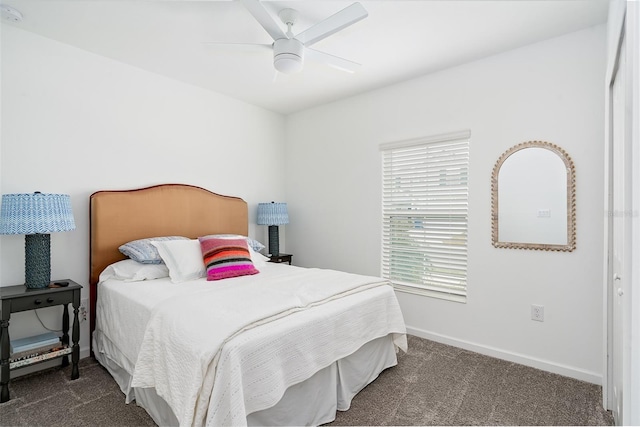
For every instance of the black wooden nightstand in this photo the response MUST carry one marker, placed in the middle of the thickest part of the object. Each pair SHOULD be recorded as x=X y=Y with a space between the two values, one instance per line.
x=20 y=298
x=281 y=258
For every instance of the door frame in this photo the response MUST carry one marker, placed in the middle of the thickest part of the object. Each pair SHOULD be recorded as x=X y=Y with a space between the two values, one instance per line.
x=633 y=67
x=623 y=23
x=615 y=27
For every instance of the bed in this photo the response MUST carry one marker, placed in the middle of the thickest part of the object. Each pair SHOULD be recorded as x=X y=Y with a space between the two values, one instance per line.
x=284 y=346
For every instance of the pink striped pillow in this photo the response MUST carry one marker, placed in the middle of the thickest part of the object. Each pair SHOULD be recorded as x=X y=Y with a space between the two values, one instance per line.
x=226 y=258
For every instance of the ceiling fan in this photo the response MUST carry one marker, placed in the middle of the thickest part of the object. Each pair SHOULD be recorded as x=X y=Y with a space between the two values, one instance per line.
x=289 y=50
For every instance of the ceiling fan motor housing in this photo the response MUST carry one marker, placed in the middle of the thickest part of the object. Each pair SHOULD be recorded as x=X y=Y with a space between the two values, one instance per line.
x=288 y=55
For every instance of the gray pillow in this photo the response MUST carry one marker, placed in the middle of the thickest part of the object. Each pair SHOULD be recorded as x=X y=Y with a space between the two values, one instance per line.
x=143 y=251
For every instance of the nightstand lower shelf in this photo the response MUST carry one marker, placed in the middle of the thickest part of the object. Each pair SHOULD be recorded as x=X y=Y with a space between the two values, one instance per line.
x=40 y=358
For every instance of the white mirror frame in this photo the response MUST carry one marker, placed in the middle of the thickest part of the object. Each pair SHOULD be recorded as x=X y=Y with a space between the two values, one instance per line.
x=571 y=204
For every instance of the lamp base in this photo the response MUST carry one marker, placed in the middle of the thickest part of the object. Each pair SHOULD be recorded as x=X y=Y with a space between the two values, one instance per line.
x=37 y=260
x=274 y=240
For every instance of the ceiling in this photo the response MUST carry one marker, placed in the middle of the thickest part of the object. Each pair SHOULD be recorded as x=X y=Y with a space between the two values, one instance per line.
x=399 y=40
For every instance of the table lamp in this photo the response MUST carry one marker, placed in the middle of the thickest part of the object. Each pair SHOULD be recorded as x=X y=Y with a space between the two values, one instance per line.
x=36 y=215
x=273 y=214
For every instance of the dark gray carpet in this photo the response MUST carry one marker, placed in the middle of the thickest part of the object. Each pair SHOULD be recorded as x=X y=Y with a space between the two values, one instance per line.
x=436 y=384
x=433 y=384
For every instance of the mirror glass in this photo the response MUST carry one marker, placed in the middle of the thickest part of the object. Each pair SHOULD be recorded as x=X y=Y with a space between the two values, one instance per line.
x=533 y=198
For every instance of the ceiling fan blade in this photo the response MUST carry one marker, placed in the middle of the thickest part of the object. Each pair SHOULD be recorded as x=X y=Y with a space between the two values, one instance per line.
x=240 y=46
x=264 y=18
x=347 y=16
x=332 y=60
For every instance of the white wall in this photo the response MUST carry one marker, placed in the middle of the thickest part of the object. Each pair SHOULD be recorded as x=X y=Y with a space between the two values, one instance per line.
x=74 y=122
x=550 y=91
x=1 y=121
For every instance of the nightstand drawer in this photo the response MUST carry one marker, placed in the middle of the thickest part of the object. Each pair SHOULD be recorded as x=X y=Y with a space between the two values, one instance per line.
x=40 y=301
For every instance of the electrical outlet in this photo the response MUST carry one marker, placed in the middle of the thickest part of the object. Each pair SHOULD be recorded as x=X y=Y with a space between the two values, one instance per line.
x=83 y=311
x=544 y=213
x=537 y=312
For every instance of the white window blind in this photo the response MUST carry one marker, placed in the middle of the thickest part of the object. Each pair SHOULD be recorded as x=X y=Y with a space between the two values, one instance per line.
x=424 y=207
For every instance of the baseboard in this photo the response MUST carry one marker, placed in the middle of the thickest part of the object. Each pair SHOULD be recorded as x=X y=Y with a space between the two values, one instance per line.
x=84 y=352
x=522 y=359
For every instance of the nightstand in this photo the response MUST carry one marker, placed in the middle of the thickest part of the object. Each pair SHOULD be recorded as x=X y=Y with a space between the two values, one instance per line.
x=280 y=258
x=20 y=298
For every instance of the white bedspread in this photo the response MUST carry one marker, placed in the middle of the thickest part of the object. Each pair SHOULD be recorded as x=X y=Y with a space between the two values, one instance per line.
x=246 y=384
x=202 y=352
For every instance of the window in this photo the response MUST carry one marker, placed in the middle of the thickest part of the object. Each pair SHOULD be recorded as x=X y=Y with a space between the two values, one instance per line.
x=424 y=209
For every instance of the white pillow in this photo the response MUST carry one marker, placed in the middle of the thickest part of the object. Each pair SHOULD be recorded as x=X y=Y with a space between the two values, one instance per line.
x=133 y=271
x=183 y=258
x=257 y=258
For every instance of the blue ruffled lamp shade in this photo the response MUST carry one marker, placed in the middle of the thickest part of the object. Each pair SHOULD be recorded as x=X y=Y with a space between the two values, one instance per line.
x=273 y=214
x=36 y=215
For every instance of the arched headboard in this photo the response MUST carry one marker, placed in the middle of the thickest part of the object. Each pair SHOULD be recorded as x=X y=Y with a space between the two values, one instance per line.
x=117 y=217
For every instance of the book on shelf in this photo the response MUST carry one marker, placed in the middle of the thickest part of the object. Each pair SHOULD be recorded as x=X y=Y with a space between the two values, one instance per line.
x=60 y=351
x=36 y=341
x=35 y=352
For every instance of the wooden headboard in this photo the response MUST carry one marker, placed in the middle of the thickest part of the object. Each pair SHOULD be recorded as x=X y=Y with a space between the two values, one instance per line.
x=117 y=217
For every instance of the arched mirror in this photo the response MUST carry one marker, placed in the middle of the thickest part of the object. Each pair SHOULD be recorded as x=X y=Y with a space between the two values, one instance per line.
x=533 y=198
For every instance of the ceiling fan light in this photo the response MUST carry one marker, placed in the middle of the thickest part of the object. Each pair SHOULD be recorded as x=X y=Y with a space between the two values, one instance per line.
x=287 y=63
x=288 y=55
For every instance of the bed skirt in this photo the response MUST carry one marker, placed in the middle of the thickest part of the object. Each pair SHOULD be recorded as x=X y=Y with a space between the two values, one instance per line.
x=311 y=402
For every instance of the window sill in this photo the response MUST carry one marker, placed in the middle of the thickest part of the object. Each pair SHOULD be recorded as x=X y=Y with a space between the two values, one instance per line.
x=417 y=290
